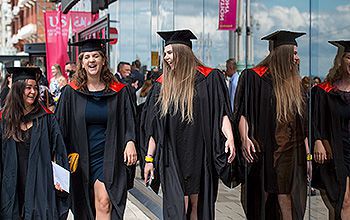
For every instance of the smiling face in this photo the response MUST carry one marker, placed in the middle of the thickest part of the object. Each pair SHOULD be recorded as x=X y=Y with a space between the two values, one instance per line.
x=125 y=70
x=54 y=71
x=169 y=56
x=93 y=63
x=30 y=92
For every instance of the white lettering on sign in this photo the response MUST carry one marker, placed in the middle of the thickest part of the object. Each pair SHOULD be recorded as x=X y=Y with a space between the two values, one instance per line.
x=224 y=9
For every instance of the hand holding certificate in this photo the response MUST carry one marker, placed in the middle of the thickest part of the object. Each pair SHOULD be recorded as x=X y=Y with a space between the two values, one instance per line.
x=61 y=177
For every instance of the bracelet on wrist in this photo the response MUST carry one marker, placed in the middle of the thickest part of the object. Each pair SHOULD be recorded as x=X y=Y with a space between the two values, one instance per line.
x=148 y=159
x=309 y=157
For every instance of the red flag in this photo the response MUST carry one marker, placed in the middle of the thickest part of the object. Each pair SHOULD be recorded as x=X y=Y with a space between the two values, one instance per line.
x=227 y=14
x=56 y=34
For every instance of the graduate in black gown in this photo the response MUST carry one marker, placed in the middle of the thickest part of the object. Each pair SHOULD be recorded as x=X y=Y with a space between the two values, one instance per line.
x=5 y=88
x=331 y=134
x=186 y=126
x=270 y=114
x=97 y=117
x=30 y=140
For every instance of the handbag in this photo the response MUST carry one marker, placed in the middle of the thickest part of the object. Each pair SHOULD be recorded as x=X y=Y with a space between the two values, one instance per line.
x=73 y=159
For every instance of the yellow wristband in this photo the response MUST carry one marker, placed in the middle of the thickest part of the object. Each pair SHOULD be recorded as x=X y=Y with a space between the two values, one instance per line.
x=309 y=157
x=148 y=159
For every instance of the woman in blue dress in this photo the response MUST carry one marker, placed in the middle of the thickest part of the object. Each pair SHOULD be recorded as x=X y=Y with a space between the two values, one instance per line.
x=96 y=115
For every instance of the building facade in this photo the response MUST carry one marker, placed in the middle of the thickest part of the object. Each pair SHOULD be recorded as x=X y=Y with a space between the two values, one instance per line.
x=27 y=25
x=6 y=16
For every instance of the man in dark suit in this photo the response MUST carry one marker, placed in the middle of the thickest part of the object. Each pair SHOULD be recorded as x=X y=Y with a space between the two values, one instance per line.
x=123 y=72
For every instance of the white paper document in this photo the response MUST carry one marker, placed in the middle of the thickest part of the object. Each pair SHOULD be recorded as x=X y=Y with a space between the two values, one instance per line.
x=61 y=176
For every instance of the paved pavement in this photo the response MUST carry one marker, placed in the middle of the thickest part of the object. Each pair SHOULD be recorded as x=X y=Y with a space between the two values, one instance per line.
x=132 y=212
x=229 y=206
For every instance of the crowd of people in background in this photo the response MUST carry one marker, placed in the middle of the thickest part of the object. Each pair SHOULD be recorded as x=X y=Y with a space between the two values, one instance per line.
x=188 y=125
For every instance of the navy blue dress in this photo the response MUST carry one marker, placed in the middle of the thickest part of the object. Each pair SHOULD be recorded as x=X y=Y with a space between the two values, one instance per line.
x=96 y=124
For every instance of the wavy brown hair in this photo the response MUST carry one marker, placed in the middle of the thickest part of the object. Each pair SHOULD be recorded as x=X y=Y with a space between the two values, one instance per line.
x=14 y=111
x=335 y=73
x=286 y=82
x=81 y=78
x=177 y=89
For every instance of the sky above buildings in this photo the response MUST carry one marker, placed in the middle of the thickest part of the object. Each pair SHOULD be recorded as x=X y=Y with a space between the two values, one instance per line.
x=139 y=20
x=329 y=21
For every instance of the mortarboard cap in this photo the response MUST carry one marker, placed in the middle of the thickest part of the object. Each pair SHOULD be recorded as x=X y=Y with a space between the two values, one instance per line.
x=93 y=44
x=177 y=37
x=21 y=73
x=282 y=37
x=342 y=43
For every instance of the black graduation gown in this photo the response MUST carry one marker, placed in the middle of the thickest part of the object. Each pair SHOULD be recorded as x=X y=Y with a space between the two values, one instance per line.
x=120 y=129
x=327 y=127
x=212 y=94
x=255 y=100
x=42 y=201
x=3 y=95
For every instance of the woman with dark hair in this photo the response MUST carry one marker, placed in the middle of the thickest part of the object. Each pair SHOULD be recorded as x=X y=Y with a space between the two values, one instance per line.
x=5 y=88
x=331 y=134
x=186 y=126
x=270 y=114
x=97 y=117
x=30 y=140
x=317 y=80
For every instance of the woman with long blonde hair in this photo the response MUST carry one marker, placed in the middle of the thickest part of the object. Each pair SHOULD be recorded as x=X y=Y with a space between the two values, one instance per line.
x=57 y=82
x=186 y=126
x=331 y=134
x=270 y=116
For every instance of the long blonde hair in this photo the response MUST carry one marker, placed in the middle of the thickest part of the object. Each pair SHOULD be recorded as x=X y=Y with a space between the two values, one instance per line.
x=177 y=90
x=286 y=82
x=58 y=69
x=335 y=73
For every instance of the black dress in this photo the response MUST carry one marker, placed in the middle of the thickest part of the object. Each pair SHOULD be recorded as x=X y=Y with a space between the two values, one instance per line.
x=190 y=158
x=279 y=165
x=189 y=150
x=330 y=120
x=41 y=200
x=96 y=124
x=23 y=156
x=344 y=113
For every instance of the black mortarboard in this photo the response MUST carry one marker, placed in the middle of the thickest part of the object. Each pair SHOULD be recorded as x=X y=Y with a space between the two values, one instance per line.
x=342 y=43
x=20 y=73
x=93 y=44
x=177 y=37
x=282 y=37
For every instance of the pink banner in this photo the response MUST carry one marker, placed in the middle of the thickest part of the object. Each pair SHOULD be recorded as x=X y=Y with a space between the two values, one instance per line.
x=58 y=27
x=227 y=14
